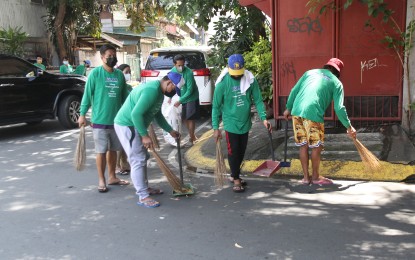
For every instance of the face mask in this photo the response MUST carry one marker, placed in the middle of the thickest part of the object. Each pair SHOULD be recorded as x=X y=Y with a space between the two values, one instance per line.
x=170 y=94
x=111 y=62
x=237 y=77
x=65 y=62
x=179 y=69
x=127 y=77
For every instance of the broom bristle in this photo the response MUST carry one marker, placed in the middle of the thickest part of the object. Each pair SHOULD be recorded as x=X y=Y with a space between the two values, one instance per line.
x=80 y=153
x=220 y=167
x=370 y=161
x=153 y=137
x=171 y=177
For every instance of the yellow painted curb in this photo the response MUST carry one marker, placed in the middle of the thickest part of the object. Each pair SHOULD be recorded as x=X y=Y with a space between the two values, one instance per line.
x=331 y=169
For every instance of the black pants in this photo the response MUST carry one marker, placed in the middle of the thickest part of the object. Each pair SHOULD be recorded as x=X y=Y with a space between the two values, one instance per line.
x=236 y=151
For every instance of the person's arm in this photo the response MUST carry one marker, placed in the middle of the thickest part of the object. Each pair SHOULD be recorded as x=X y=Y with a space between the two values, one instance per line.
x=258 y=101
x=141 y=108
x=162 y=122
x=339 y=108
x=189 y=86
x=86 y=101
x=217 y=104
x=293 y=93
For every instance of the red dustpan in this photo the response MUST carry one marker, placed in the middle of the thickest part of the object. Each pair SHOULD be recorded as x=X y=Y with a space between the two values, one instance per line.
x=269 y=168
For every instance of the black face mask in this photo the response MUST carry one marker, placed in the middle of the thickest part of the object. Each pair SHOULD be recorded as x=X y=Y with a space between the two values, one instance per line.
x=237 y=77
x=111 y=61
x=170 y=94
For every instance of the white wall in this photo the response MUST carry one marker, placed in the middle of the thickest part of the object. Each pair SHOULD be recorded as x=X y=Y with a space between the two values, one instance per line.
x=16 y=13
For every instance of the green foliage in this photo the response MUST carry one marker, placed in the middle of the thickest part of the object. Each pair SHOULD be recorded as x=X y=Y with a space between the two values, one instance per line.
x=259 y=62
x=142 y=12
x=12 y=41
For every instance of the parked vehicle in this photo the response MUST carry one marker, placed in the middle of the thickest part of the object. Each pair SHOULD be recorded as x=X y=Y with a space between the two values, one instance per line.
x=160 y=62
x=30 y=95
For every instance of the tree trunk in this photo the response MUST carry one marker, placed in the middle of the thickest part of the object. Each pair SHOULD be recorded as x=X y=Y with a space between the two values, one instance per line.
x=60 y=16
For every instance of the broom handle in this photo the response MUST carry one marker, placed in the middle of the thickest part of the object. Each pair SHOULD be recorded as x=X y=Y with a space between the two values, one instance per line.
x=286 y=139
x=180 y=159
x=272 y=147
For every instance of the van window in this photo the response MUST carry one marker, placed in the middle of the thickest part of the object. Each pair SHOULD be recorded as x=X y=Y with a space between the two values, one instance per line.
x=164 y=60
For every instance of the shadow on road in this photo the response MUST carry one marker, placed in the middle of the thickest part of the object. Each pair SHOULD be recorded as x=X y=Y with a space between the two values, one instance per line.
x=313 y=188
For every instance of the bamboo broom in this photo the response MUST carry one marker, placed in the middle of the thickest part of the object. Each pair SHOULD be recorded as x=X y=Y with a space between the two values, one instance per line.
x=171 y=177
x=370 y=161
x=153 y=137
x=220 y=167
x=80 y=152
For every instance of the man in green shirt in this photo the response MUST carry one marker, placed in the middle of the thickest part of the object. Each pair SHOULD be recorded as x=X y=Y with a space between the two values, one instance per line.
x=65 y=68
x=307 y=103
x=39 y=63
x=105 y=92
x=81 y=68
x=131 y=123
x=189 y=96
x=234 y=93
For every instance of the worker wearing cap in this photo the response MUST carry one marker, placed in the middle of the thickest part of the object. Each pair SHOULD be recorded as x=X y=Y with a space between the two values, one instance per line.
x=307 y=103
x=81 y=68
x=236 y=89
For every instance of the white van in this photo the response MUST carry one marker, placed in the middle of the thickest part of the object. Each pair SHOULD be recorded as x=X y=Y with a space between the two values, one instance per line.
x=160 y=62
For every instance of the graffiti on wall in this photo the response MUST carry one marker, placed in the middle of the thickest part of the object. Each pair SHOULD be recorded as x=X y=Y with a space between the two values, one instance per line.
x=287 y=68
x=304 y=24
x=369 y=65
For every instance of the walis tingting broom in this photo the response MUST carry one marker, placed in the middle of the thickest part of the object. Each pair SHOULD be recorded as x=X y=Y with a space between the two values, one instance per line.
x=220 y=167
x=370 y=161
x=80 y=152
x=153 y=137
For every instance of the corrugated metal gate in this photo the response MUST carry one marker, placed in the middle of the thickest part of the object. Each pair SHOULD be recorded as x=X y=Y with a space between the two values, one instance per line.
x=373 y=74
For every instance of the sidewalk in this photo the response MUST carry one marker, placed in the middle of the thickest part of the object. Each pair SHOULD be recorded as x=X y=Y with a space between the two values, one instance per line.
x=340 y=159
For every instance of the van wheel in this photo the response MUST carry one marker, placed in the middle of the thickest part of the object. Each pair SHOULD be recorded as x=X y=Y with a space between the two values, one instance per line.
x=68 y=111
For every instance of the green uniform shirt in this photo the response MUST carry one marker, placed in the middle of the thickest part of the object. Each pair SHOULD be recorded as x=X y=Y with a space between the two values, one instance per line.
x=189 y=91
x=105 y=92
x=235 y=106
x=313 y=93
x=80 y=70
x=141 y=107
x=63 y=69
x=40 y=66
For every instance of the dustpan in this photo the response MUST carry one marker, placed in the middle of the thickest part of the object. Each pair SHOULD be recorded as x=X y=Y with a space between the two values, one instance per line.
x=187 y=186
x=269 y=168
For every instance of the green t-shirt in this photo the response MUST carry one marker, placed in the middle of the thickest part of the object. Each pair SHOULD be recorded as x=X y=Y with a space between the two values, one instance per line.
x=189 y=91
x=40 y=66
x=313 y=93
x=80 y=70
x=63 y=69
x=236 y=106
x=141 y=107
x=105 y=92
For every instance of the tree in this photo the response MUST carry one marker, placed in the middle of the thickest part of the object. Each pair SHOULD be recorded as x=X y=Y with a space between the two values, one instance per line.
x=66 y=19
x=12 y=41
x=142 y=12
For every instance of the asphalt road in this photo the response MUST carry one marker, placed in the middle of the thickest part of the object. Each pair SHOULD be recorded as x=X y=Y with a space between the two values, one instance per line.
x=50 y=211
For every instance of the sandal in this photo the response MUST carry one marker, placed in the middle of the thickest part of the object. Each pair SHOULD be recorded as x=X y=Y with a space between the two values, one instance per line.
x=150 y=203
x=103 y=189
x=238 y=188
x=120 y=182
x=123 y=172
x=154 y=191
x=243 y=182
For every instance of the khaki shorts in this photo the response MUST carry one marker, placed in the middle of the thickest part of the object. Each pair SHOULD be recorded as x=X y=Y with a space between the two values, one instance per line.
x=308 y=132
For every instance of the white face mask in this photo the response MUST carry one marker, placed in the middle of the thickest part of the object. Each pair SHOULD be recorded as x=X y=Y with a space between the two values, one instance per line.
x=127 y=77
x=65 y=62
x=179 y=69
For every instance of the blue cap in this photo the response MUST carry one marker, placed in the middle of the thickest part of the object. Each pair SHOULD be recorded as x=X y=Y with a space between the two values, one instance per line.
x=175 y=77
x=236 y=65
x=88 y=62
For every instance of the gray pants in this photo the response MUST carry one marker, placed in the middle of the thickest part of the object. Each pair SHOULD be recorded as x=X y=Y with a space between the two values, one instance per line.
x=137 y=156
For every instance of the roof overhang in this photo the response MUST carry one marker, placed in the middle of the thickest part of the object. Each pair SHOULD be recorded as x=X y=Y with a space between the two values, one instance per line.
x=86 y=41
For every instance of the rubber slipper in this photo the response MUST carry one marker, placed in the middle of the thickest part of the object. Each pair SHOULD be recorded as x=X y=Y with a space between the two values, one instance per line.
x=148 y=203
x=243 y=182
x=238 y=188
x=305 y=182
x=124 y=172
x=324 y=181
x=154 y=191
x=120 y=182
x=103 y=189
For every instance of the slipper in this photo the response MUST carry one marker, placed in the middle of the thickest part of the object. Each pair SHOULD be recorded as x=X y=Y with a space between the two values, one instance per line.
x=123 y=172
x=302 y=181
x=154 y=191
x=238 y=188
x=120 y=182
x=148 y=203
x=243 y=182
x=323 y=181
x=103 y=189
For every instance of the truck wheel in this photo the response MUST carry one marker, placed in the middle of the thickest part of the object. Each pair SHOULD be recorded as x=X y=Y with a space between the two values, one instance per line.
x=68 y=111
